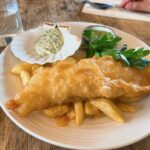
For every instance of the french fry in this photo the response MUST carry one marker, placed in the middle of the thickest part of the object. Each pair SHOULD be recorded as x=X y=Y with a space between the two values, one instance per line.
x=109 y=108
x=79 y=112
x=34 y=67
x=25 y=77
x=21 y=67
x=71 y=114
x=127 y=107
x=90 y=109
x=62 y=121
x=56 y=111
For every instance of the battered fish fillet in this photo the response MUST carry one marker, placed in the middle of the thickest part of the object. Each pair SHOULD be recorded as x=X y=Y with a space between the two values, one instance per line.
x=69 y=81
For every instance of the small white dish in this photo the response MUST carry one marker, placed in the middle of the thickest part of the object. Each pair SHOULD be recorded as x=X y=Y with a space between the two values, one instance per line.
x=23 y=46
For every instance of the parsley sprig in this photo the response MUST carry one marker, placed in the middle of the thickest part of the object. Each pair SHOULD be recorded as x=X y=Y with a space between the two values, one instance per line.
x=105 y=45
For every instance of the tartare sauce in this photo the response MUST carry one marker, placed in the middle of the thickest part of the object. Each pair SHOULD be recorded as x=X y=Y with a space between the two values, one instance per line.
x=51 y=42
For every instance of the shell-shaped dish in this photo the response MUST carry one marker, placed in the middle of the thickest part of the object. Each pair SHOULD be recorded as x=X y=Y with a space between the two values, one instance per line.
x=23 y=46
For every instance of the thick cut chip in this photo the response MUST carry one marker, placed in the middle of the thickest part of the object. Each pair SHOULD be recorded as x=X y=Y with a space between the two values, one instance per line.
x=21 y=67
x=109 y=108
x=56 y=111
x=25 y=77
x=79 y=112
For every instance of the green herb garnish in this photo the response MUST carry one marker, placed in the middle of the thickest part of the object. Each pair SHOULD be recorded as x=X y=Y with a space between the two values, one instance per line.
x=105 y=45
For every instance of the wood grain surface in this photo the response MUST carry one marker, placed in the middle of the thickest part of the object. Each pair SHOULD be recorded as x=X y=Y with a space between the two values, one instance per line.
x=34 y=13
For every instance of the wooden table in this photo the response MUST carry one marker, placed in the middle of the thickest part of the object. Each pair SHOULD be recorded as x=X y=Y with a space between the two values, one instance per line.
x=34 y=13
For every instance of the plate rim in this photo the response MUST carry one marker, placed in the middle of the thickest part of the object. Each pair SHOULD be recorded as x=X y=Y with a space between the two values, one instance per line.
x=70 y=146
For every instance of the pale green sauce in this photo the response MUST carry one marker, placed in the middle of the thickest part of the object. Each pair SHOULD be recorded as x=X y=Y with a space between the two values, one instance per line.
x=51 y=42
x=97 y=32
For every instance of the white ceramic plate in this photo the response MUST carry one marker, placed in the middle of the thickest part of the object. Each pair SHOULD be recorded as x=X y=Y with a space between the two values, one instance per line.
x=93 y=134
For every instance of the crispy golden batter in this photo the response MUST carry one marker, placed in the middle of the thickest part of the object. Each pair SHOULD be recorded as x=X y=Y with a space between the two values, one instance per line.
x=69 y=81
